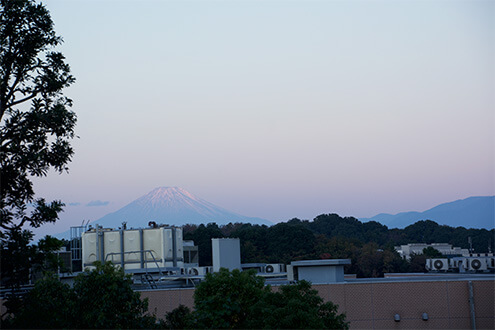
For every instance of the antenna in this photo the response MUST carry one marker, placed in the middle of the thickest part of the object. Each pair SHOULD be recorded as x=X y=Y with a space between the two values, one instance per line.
x=470 y=242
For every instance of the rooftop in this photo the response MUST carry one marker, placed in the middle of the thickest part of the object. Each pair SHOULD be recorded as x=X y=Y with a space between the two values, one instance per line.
x=324 y=262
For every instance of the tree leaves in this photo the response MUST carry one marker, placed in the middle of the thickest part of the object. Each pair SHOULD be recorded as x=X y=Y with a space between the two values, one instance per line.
x=33 y=139
x=101 y=298
x=28 y=67
x=240 y=300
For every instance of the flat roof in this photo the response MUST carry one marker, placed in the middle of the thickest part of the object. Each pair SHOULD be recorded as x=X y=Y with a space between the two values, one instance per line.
x=323 y=262
x=253 y=265
x=437 y=278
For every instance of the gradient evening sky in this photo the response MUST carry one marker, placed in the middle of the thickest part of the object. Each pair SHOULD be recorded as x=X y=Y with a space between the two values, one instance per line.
x=278 y=109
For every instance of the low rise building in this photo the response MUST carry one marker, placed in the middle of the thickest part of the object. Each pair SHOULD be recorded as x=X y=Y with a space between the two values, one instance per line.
x=406 y=251
x=399 y=301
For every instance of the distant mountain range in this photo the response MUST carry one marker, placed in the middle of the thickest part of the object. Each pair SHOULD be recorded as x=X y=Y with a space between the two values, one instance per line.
x=176 y=206
x=472 y=212
x=172 y=206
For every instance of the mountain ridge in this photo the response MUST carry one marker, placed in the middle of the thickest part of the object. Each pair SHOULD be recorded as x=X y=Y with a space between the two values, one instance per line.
x=471 y=212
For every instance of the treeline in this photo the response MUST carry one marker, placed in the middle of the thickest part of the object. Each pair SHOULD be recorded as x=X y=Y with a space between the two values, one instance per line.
x=369 y=245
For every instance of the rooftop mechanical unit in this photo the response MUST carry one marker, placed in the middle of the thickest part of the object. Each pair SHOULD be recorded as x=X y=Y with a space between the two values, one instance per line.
x=454 y=263
x=428 y=265
x=275 y=268
x=476 y=264
x=491 y=263
x=199 y=271
x=439 y=264
x=133 y=249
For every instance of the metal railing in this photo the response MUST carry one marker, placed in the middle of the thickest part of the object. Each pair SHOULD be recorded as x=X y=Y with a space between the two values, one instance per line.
x=144 y=260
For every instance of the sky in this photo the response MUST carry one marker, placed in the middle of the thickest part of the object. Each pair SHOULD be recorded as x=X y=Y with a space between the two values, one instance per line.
x=278 y=109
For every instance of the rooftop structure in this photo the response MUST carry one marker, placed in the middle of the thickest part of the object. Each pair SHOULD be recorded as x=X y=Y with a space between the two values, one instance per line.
x=407 y=250
x=399 y=301
x=318 y=271
x=226 y=253
x=156 y=247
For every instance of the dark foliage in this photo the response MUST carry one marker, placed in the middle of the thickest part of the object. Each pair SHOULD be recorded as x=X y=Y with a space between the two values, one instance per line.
x=202 y=236
x=49 y=305
x=240 y=300
x=431 y=252
x=428 y=231
x=101 y=298
x=370 y=245
x=289 y=241
x=296 y=306
x=225 y=299
x=179 y=318
x=105 y=299
x=36 y=128
x=21 y=261
x=36 y=138
x=17 y=256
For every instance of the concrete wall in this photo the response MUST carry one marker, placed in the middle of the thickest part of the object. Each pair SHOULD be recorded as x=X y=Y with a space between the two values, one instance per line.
x=373 y=305
x=226 y=253
x=320 y=274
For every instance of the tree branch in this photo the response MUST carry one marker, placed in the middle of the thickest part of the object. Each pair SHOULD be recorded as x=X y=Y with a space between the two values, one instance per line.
x=33 y=95
x=6 y=227
x=12 y=88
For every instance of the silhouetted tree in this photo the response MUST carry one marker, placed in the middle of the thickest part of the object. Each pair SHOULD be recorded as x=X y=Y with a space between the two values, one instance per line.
x=179 y=318
x=369 y=245
x=49 y=305
x=240 y=300
x=297 y=306
x=225 y=299
x=21 y=261
x=253 y=239
x=105 y=299
x=100 y=298
x=417 y=263
x=35 y=138
x=290 y=241
x=202 y=236
x=36 y=125
x=431 y=252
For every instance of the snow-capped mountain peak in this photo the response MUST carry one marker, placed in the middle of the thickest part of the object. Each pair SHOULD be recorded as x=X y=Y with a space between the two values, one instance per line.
x=168 y=193
x=173 y=206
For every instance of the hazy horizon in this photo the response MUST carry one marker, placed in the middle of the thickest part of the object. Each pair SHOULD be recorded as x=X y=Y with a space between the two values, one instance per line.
x=278 y=109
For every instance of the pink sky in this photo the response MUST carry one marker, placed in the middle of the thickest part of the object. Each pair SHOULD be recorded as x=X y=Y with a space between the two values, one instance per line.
x=279 y=109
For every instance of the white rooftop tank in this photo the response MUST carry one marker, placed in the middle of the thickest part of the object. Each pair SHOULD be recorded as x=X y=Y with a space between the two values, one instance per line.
x=134 y=248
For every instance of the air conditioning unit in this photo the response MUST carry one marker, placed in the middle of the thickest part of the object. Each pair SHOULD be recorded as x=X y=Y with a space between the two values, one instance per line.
x=457 y=264
x=275 y=268
x=477 y=264
x=439 y=264
x=194 y=271
x=491 y=263
x=199 y=271
x=428 y=265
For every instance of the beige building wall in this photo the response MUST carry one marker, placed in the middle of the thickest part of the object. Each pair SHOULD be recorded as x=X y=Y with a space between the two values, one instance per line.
x=373 y=305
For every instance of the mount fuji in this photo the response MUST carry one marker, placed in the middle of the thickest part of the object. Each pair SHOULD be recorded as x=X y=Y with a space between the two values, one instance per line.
x=172 y=206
